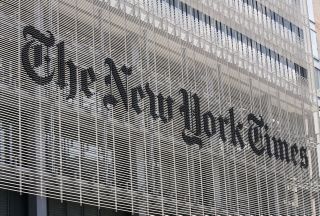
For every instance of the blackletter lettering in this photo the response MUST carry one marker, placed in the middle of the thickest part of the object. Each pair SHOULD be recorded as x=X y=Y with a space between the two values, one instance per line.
x=294 y=152
x=209 y=123
x=61 y=64
x=161 y=105
x=190 y=139
x=48 y=41
x=185 y=110
x=161 y=108
x=37 y=55
x=304 y=158
x=197 y=114
x=170 y=108
x=152 y=99
x=281 y=149
x=110 y=99
x=169 y=102
x=38 y=42
x=268 y=141
x=73 y=79
x=254 y=133
x=84 y=80
x=135 y=94
x=126 y=70
x=235 y=130
x=222 y=122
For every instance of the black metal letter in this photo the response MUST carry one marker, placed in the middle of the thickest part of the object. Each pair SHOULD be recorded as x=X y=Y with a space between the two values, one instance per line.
x=84 y=80
x=254 y=133
x=110 y=99
x=73 y=79
x=48 y=41
x=189 y=136
x=135 y=94
x=281 y=150
x=304 y=158
x=235 y=130
x=294 y=152
x=61 y=64
x=152 y=99
x=209 y=124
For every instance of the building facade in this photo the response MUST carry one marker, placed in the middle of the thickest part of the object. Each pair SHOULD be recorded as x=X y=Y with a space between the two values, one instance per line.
x=157 y=107
x=314 y=20
x=316 y=15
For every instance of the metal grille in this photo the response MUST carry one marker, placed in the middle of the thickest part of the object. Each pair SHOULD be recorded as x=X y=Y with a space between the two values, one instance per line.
x=85 y=151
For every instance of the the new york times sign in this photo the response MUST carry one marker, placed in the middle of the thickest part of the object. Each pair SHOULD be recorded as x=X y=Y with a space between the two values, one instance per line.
x=196 y=124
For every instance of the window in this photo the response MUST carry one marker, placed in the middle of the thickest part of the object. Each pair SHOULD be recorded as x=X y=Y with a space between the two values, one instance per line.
x=310 y=10
x=317 y=73
x=314 y=44
x=13 y=204
x=58 y=208
x=223 y=32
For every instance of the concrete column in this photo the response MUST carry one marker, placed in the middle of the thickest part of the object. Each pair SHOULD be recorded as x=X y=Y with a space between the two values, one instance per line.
x=37 y=205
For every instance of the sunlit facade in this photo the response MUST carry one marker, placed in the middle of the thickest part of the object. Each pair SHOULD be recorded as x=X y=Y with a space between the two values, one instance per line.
x=157 y=107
